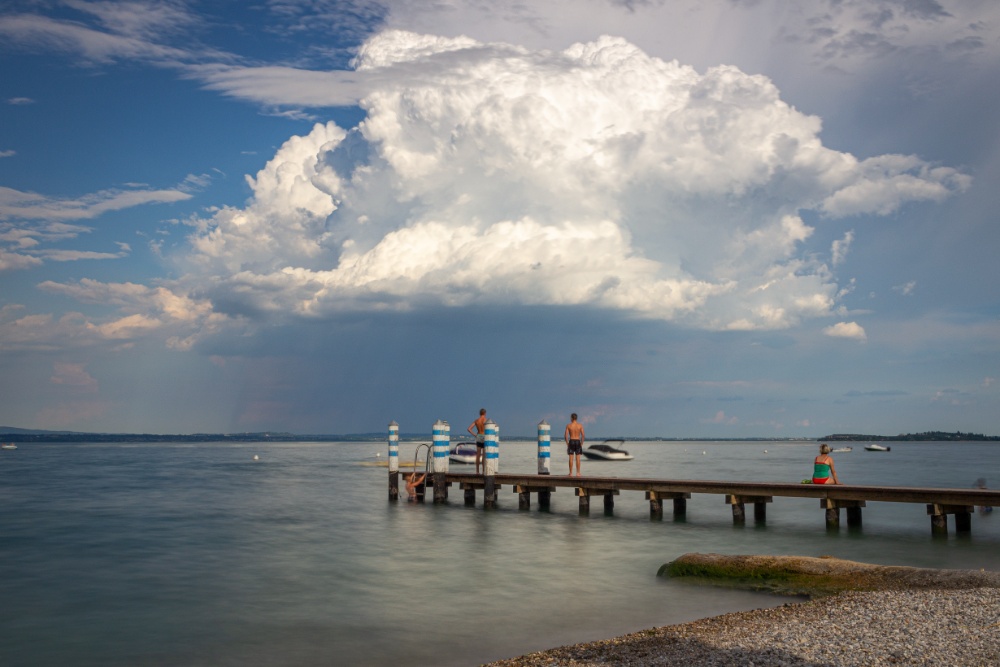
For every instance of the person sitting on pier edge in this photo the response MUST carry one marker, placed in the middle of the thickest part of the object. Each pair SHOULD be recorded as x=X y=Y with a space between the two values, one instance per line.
x=480 y=433
x=823 y=470
x=574 y=437
x=412 y=483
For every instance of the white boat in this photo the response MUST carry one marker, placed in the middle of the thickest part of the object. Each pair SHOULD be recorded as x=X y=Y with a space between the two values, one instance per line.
x=8 y=445
x=842 y=449
x=607 y=451
x=463 y=452
x=877 y=448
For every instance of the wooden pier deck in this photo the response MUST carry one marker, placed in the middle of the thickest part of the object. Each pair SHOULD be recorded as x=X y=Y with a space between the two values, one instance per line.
x=939 y=503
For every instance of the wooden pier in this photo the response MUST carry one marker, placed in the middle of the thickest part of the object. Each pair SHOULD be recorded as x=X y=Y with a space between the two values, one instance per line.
x=960 y=503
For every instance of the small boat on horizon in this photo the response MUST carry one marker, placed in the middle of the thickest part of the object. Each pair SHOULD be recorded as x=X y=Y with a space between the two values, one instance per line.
x=463 y=452
x=607 y=451
x=842 y=449
x=8 y=445
x=872 y=447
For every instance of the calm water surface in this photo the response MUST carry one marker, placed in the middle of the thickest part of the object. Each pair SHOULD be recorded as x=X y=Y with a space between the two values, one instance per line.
x=199 y=555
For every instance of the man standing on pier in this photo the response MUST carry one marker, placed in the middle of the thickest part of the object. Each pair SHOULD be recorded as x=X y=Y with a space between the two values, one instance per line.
x=574 y=437
x=480 y=433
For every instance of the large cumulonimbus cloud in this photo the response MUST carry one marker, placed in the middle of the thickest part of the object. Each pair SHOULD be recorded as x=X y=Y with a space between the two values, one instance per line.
x=597 y=176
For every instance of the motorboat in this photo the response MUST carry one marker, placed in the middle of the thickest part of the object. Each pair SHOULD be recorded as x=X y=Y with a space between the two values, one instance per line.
x=463 y=452
x=8 y=445
x=842 y=449
x=609 y=450
x=877 y=448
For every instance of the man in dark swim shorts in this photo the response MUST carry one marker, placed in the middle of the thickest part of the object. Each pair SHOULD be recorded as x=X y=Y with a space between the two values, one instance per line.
x=480 y=433
x=574 y=437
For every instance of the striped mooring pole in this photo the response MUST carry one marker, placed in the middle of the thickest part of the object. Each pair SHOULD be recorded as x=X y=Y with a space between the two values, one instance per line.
x=393 y=460
x=544 y=459
x=442 y=438
x=491 y=464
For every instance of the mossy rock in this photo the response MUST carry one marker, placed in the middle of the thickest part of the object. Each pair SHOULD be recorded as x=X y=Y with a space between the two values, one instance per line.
x=816 y=577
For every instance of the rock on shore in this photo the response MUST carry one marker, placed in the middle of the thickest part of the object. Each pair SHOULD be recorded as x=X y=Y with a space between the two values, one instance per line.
x=919 y=617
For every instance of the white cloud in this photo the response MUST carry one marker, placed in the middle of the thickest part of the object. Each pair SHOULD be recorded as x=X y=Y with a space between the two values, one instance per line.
x=598 y=175
x=720 y=417
x=906 y=289
x=8 y=153
x=73 y=375
x=851 y=330
x=883 y=184
x=17 y=205
x=839 y=248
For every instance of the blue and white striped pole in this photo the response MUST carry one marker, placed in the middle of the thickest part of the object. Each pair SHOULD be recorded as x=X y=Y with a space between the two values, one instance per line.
x=544 y=447
x=442 y=439
x=544 y=458
x=491 y=463
x=393 y=460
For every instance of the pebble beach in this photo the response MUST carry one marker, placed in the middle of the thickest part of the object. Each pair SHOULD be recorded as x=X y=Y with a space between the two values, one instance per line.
x=955 y=626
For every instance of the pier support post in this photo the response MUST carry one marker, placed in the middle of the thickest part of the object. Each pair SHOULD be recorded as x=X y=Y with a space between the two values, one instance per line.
x=739 y=507
x=585 y=493
x=833 y=507
x=680 y=506
x=491 y=464
x=393 y=460
x=544 y=459
x=939 y=518
x=442 y=438
x=853 y=517
x=656 y=499
x=524 y=492
x=470 y=496
x=655 y=506
x=739 y=512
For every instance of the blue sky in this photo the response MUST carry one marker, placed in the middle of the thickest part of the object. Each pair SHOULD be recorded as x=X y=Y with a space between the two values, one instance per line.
x=681 y=219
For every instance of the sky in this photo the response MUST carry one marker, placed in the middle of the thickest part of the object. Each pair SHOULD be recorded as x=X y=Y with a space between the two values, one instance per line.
x=676 y=218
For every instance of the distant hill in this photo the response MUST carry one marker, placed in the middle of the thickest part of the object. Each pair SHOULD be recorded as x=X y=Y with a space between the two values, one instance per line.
x=10 y=430
x=926 y=436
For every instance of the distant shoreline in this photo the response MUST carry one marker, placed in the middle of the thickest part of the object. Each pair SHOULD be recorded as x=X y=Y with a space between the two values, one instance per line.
x=12 y=434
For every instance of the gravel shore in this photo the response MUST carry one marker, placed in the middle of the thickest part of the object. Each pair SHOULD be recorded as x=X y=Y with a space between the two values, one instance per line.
x=925 y=626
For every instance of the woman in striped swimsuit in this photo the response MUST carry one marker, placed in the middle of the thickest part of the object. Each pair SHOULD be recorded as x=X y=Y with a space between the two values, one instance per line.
x=823 y=470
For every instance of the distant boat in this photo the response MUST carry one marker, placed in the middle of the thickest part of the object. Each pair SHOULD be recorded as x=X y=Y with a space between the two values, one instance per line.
x=8 y=445
x=463 y=452
x=607 y=451
x=877 y=448
x=842 y=449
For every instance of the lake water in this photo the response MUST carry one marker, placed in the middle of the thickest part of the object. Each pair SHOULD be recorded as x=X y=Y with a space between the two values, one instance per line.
x=171 y=554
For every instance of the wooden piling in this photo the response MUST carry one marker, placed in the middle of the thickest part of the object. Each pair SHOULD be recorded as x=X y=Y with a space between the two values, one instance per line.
x=739 y=511
x=655 y=506
x=681 y=505
x=585 y=492
x=939 y=517
x=739 y=503
x=656 y=499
